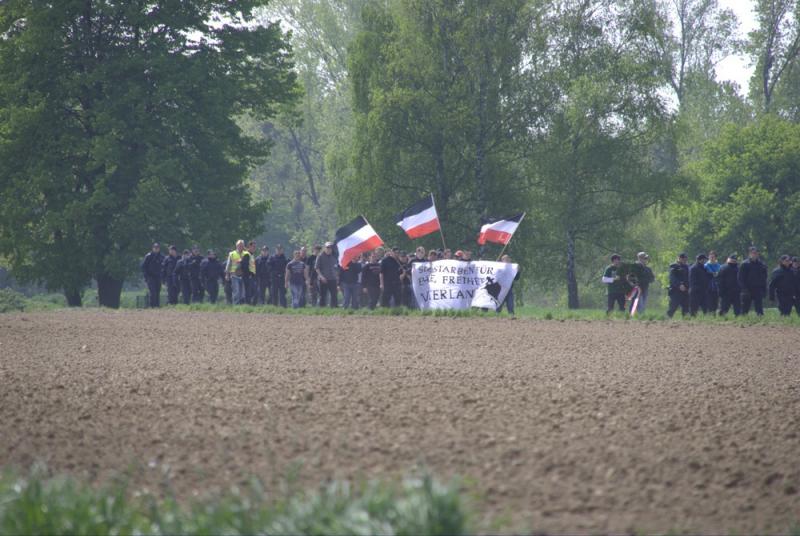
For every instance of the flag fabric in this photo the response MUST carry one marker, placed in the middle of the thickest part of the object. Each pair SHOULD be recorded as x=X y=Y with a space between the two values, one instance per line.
x=354 y=239
x=499 y=231
x=419 y=219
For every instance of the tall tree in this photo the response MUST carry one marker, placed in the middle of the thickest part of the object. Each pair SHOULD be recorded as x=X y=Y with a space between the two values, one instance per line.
x=599 y=154
x=774 y=46
x=116 y=129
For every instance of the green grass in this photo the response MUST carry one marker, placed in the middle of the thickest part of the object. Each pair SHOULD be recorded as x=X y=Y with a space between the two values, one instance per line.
x=36 y=504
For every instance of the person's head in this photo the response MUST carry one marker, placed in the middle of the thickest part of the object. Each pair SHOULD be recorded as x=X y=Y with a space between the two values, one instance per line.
x=279 y=249
x=616 y=259
x=796 y=263
x=786 y=261
x=373 y=257
x=733 y=258
x=328 y=248
x=467 y=255
x=448 y=254
x=701 y=258
x=380 y=251
x=432 y=256
x=296 y=254
x=239 y=245
x=211 y=254
x=173 y=251
x=156 y=247
x=505 y=258
x=643 y=257
x=186 y=253
x=251 y=246
x=683 y=258
x=366 y=256
x=459 y=255
x=316 y=249
x=264 y=251
x=420 y=252
x=403 y=257
x=303 y=252
x=712 y=256
x=753 y=252
x=195 y=250
x=396 y=252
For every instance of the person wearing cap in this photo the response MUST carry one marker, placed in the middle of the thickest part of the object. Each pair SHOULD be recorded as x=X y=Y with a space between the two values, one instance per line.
x=641 y=275
x=390 y=280
x=616 y=284
x=349 y=281
x=277 y=269
x=782 y=285
x=313 y=285
x=263 y=276
x=699 y=282
x=296 y=278
x=325 y=267
x=184 y=276
x=211 y=272
x=168 y=275
x=728 y=286
x=678 y=286
x=753 y=282
x=459 y=256
x=151 y=270
x=196 y=279
x=233 y=273
x=713 y=267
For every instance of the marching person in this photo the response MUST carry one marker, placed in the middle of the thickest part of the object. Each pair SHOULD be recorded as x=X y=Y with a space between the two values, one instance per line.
x=304 y=258
x=390 y=280
x=325 y=266
x=296 y=278
x=277 y=270
x=349 y=281
x=183 y=272
x=699 y=283
x=644 y=277
x=371 y=280
x=679 y=286
x=728 y=286
x=211 y=271
x=616 y=284
x=151 y=270
x=233 y=273
x=782 y=284
x=194 y=275
x=713 y=267
x=263 y=276
x=249 y=273
x=168 y=275
x=313 y=286
x=753 y=282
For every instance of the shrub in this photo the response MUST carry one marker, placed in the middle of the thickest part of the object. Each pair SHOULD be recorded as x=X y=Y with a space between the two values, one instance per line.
x=11 y=300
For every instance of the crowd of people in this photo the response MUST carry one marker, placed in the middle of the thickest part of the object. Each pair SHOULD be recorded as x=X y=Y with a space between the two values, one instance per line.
x=382 y=276
x=706 y=285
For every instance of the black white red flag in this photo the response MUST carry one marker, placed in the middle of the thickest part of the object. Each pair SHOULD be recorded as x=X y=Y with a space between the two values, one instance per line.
x=419 y=219
x=354 y=239
x=499 y=231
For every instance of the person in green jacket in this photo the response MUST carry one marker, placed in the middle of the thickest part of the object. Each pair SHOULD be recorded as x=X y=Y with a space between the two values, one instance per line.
x=617 y=284
x=639 y=274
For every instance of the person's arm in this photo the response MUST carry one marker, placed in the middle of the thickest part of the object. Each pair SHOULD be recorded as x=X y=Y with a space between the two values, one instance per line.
x=306 y=275
x=380 y=278
x=318 y=269
x=286 y=277
x=606 y=279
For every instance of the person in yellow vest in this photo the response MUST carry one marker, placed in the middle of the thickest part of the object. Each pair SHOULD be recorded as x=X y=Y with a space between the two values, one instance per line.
x=233 y=272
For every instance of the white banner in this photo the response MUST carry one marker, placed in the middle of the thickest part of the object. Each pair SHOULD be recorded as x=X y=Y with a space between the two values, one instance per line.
x=461 y=285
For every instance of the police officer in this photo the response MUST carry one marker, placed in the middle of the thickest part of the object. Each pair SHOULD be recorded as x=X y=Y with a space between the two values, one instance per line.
x=184 y=276
x=263 y=275
x=699 y=285
x=728 y=286
x=194 y=273
x=151 y=270
x=277 y=270
x=753 y=282
x=168 y=275
x=782 y=284
x=211 y=271
x=678 y=286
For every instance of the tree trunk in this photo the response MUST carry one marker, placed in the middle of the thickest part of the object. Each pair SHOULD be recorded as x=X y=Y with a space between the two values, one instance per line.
x=74 y=297
x=108 y=291
x=572 y=281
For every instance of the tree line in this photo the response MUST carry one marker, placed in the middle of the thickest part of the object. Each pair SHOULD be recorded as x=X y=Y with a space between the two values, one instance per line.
x=125 y=123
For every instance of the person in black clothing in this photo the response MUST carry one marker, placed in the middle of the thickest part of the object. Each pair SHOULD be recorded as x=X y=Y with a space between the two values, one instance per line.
x=678 y=286
x=390 y=280
x=371 y=280
x=349 y=282
x=728 y=287
x=311 y=261
x=183 y=274
x=168 y=275
x=263 y=276
x=277 y=270
x=406 y=289
x=211 y=271
x=753 y=283
x=194 y=273
x=304 y=260
x=248 y=267
x=699 y=285
x=783 y=285
x=151 y=270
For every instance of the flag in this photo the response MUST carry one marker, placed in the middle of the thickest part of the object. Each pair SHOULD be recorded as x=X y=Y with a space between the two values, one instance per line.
x=419 y=219
x=499 y=231
x=354 y=239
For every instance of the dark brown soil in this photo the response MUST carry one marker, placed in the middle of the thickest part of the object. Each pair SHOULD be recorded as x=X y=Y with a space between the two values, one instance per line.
x=562 y=426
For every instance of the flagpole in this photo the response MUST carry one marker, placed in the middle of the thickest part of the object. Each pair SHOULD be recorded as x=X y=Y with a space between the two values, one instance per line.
x=509 y=240
x=441 y=232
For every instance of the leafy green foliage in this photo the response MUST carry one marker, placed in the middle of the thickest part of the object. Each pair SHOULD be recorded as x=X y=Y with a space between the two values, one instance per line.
x=11 y=301
x=117 y=129
x=39 y=505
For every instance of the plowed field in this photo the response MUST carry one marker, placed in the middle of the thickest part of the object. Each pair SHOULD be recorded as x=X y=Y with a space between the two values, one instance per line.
x=561 y=426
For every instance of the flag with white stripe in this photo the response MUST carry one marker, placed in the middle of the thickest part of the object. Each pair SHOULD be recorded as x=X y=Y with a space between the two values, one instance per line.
x=419 y=219
x=354 y=239
x=499 y=231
